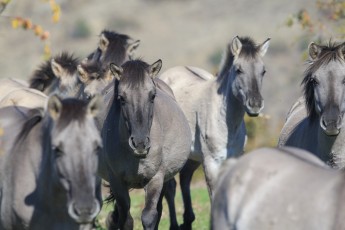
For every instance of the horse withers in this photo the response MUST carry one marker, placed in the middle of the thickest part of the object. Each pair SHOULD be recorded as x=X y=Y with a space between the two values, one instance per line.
x=48 y=177
x=271 y=188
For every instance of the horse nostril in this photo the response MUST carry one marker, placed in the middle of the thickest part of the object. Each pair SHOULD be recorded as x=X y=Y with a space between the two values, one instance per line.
x=132 y=142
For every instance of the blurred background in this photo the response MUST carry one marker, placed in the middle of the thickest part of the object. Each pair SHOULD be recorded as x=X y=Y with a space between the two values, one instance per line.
x=180 y=32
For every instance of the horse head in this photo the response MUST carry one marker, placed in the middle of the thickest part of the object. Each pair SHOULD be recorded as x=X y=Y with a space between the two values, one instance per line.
x=74 y=147
x=247 y=72
x=136 y=93
x=324 y=86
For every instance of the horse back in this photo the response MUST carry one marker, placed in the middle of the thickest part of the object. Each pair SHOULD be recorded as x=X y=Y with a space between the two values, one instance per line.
x=277 y=189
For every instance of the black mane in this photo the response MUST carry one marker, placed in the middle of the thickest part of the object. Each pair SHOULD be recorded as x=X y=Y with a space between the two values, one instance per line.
x=44 y=76
x=328 y=53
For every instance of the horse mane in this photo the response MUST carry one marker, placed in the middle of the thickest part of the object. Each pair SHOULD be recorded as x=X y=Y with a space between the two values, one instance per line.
x=249 y=50
x=134 y=72
x=117 y=47
x=328 y=53
x=44 y=76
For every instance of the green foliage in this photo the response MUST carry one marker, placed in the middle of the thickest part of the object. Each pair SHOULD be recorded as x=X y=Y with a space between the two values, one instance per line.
x=328 y=21
x=81 y=29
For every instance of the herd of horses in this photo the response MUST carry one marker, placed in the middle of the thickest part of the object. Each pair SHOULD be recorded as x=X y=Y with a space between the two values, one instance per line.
x=115 y=118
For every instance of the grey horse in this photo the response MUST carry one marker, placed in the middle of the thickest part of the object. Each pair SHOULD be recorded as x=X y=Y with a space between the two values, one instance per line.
x=278 y=189
x=315 y=121
x=146 y=141
x=48 y=166
x=215 y=108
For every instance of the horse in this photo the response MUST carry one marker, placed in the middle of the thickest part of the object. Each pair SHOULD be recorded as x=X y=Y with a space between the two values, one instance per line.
x=147 y=141
x=315 y=121
x=48 y=177
x=94 y=71
x=215 y=108
x=7 y=85
x=58 y=76
x=278 y=188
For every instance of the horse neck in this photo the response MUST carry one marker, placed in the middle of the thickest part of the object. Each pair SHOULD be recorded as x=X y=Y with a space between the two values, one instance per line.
x=231 y=108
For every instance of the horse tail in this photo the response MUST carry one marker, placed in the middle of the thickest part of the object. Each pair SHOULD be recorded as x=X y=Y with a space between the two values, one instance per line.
x=110 y=199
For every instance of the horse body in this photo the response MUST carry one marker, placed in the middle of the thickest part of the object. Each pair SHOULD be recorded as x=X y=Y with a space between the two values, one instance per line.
x=285 y=188
x=215 y=108
x=314 y=122
x=48 y=175
x=143 y=150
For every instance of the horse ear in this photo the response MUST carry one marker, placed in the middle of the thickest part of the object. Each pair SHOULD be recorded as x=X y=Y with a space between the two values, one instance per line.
x=314 y=50
x=95 y=106
x=103 y=43
x=236 y=46
x=132 y=46
x=155 y=68
x=54 y=107
x=264 y=46
x=116 y=71
x=56 y=68
x=82 y=74
x=108 y=76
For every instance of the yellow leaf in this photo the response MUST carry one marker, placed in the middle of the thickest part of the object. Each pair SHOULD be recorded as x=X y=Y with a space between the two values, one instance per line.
x=14 y=23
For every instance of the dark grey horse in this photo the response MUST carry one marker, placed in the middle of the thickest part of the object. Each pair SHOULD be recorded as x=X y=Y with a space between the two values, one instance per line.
x=284 y=189
x=315 y=122
x=146 y=141
x=48 y=177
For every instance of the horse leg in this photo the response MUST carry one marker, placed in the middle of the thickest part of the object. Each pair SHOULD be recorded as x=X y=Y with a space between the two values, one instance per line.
x=160 y=205
x=186 y=175
x=169 y=195
x=121 y=217
x=153 y=190
x=211 y=169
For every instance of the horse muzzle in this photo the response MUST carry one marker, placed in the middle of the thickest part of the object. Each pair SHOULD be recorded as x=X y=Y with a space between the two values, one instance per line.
x=85 y=212
x=254 y=107
x=331 y=127
x=140 y=147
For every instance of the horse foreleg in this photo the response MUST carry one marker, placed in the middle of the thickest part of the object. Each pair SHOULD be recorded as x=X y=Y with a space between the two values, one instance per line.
x=186 y=175
x=121 y=217
x=211 y=169
x=153 y=190
x=169 y=194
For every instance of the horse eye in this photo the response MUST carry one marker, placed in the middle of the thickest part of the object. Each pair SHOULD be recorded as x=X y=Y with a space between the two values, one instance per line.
x=153 y=98
x=122 y=100
x=314 y=81
x=239 y=71
x=58 y=151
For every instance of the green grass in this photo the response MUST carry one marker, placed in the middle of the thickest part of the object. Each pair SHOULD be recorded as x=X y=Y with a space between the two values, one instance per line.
x=200 y=199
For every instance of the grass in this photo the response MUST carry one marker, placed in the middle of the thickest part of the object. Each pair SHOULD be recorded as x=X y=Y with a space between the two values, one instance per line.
x=200 y=199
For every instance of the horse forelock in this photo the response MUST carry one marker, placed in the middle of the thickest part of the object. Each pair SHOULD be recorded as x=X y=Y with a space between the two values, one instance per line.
x=72 y=110
x=328 y=54
x=249 y=50
x=68 y=62
x=134 y=73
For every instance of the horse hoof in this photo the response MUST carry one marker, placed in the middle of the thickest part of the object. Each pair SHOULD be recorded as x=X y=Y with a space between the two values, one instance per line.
x=186 y=226
x=110 y=223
